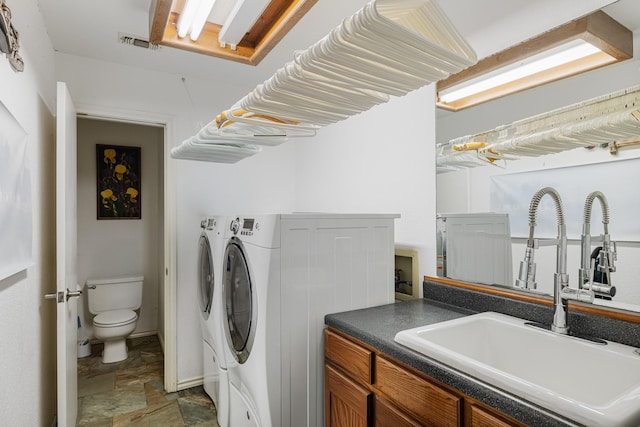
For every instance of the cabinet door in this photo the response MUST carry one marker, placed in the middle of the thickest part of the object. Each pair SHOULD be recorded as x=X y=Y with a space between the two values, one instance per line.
x=346 y=403
x=386 y=414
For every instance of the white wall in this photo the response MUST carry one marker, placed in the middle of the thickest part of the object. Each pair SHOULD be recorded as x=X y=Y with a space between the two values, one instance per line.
x=468 y=190
x=117 y=248
x=379 y=161
x=27 y=329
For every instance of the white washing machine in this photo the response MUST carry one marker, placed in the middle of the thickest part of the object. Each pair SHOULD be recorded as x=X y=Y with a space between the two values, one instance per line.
x=210 y=252
x=282 y=274
x=251 y=321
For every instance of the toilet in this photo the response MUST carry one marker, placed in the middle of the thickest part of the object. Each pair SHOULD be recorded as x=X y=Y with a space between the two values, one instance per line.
x=113 y=301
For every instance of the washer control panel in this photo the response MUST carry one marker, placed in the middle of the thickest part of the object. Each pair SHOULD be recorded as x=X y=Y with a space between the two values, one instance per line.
x=208 y=224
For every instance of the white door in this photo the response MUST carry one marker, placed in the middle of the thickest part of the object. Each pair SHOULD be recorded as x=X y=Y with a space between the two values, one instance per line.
x=66 y=255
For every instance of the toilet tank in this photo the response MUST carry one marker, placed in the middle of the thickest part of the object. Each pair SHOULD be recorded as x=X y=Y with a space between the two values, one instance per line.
x=118 y=293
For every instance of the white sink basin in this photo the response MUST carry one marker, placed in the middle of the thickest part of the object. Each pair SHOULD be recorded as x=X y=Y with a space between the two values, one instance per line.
x=594 y=384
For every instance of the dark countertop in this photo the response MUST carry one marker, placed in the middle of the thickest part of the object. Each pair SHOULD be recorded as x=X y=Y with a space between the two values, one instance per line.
x=377 y=327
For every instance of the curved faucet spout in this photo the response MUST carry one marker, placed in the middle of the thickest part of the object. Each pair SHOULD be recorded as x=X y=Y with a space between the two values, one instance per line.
x=606 y=256
x=527 y=274
x=588 y=206
x=561 y=290
x=533 y=209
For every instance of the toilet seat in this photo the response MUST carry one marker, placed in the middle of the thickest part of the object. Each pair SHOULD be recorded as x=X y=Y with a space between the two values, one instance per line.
x=115 y=318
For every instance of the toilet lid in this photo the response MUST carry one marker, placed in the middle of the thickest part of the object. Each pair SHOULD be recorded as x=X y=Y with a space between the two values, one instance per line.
x=115 y=318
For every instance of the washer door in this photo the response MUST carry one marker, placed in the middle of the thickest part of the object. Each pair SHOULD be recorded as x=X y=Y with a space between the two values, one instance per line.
x=239 y=301
x=205 y=276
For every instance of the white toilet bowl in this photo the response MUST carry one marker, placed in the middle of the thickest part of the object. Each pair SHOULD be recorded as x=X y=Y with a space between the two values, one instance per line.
x=114 y=302
x=113 y=327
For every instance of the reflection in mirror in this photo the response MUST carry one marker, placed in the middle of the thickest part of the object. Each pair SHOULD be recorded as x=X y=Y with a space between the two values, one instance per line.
x=509 y=191
x=574 y=173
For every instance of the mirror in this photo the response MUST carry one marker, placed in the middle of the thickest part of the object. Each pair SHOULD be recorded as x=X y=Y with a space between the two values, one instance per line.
x=476 y=248
x=469 y=190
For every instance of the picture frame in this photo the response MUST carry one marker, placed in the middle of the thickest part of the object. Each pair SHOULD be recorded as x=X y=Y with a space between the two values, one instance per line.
x=119 y=190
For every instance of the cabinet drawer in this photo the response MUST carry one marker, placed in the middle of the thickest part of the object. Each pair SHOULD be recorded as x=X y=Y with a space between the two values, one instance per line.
x=476 y=416
x=428 y=402
x=351 y=357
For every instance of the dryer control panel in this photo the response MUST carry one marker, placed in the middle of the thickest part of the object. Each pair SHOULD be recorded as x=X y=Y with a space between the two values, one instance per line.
x=244 y=226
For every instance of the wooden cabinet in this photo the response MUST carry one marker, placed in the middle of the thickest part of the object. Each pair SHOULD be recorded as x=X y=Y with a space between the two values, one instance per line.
x=346 y=403
x=364 y=387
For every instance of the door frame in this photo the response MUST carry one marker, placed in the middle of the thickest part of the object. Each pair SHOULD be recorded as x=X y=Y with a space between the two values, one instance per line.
x=169 y=341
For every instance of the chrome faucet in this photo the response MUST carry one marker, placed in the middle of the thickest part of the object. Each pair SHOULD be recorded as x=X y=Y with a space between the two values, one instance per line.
x=606 y=254
x=562 y=292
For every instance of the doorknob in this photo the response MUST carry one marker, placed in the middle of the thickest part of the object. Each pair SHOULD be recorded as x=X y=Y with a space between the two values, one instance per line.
x=60 y=296
x=74 y=294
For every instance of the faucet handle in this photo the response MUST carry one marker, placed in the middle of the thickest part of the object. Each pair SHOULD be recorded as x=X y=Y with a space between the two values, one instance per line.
x=604 y=288
x=608 y=256
x=584 y=295
x=569 y=293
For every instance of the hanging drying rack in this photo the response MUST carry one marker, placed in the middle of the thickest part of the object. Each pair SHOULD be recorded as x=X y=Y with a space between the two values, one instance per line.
x=387 y=48
x=611 y=120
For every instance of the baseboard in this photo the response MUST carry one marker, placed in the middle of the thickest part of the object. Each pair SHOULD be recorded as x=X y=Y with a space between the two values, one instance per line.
x=143 y=334
x=193 y=382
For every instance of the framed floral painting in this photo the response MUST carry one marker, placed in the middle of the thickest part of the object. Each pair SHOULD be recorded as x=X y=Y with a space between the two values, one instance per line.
x=118 y=182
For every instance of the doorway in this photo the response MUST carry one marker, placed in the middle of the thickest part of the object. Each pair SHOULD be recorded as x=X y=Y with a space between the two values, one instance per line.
x=119 y=246
x=101 y=242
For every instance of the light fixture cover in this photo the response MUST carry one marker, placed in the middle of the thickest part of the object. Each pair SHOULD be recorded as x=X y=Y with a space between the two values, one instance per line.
x=242 y=17
x=578 y=46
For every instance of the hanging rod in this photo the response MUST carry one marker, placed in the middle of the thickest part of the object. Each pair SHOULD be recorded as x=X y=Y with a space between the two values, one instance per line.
x=610 y=120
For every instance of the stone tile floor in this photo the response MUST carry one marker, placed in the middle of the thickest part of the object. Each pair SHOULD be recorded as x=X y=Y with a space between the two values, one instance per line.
x=131 y=392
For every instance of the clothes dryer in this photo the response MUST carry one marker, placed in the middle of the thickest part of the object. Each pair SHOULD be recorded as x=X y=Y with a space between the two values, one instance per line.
x=211 y=249
x=282 y=274
x=251 y=320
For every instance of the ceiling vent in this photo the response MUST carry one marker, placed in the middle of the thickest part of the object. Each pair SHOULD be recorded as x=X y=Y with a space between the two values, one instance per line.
x=136 y=41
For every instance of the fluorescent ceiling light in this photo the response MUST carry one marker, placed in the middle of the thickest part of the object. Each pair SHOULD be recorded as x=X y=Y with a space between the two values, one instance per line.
x=193 y=18
x=581 y=45
x=186 y=17
x=171 y=26
x=538 y=63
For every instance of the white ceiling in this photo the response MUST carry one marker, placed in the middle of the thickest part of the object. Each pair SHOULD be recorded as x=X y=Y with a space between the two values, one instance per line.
x=90 y=28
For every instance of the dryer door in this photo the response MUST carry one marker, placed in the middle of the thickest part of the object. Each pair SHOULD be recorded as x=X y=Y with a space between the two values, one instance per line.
x=205 y=276
x=239 y=301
